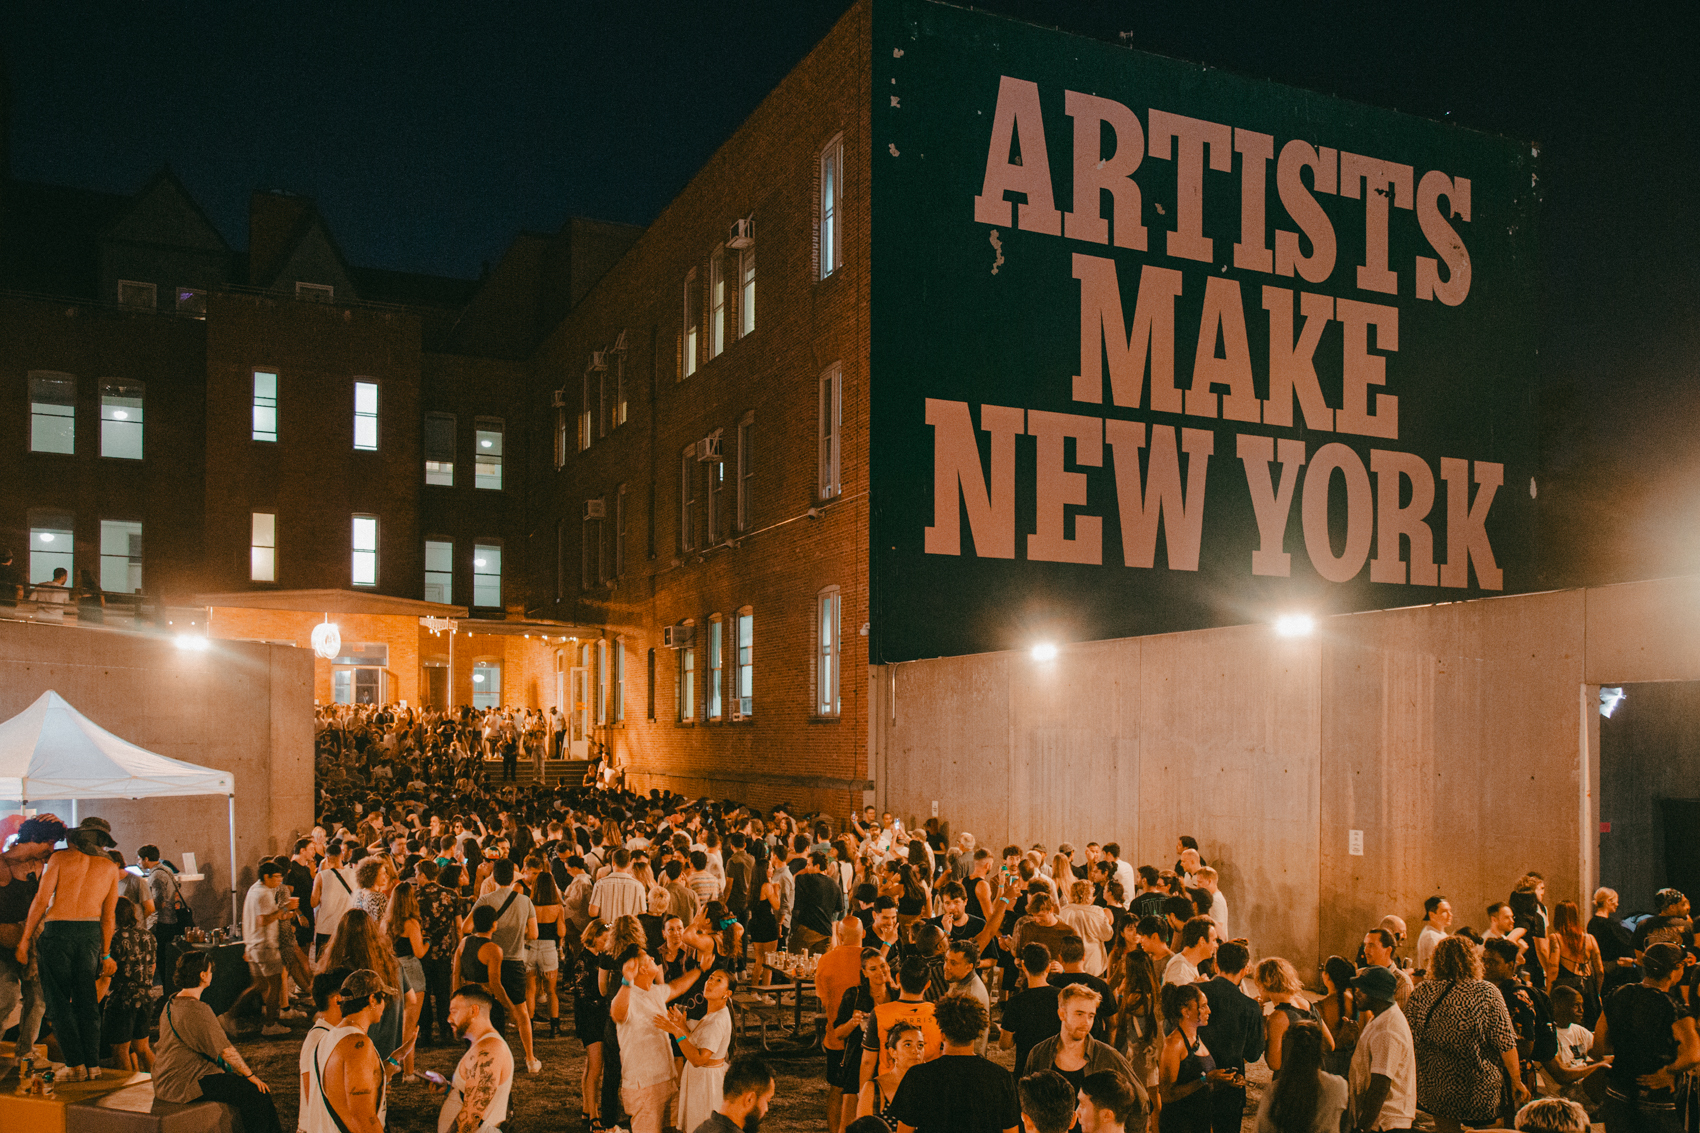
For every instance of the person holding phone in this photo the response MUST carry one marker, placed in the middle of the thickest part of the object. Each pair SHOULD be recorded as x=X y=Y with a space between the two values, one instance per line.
x=476 y=1100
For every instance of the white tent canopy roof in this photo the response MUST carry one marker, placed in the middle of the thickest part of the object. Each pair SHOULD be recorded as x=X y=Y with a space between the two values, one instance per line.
x=52 y=751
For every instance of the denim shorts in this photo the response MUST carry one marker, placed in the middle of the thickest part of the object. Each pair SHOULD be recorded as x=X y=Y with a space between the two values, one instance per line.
x=543 y=956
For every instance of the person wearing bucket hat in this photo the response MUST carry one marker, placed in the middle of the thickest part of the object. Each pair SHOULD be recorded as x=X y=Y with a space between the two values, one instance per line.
x=1383 y=1072
x=76 y=910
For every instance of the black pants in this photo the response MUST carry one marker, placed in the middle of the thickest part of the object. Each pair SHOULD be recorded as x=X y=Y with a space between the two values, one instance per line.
x=434 y=1012
x=612 y=1112
x=258 y=1113
x=1227 y=1108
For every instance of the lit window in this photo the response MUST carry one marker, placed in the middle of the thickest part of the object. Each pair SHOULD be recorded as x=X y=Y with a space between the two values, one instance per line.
x=120 y=556
x=687 y=683
x=693 y=322
x=746 y=468
x=315 y=292
x=619 y=705
x=53 y=412
x=602 y=676
x=716 y=663
x=560 y=435
x=265 y=406
x=829 y=238
x=487 y=575
x=142 y=296
x=487 y=684
x=487 y=456
x=439 y=570
x=620 y=532
x=121 y=420
x=262 y=547
x=192 y=301
x=688 y=498
x=51 y=546
x=716 y=501
x=440 y=449
x=744 y=691
x=831 y=425
x=716 y=304
x=828 y=614
x=366 y=416
x=747 y=292
x=365 y=572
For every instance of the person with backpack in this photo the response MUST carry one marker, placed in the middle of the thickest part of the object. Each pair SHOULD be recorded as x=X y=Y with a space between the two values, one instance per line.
x=1653 y=1042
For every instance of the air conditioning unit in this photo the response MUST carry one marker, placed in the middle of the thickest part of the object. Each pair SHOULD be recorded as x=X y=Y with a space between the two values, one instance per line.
x=558 y=399
x=708 y=449
x=742 y=233
x=595 y=509
x=678 y=637
x=599 y=359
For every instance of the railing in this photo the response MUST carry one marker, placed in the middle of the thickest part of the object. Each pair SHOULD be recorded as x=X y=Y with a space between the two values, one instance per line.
x=116 y=610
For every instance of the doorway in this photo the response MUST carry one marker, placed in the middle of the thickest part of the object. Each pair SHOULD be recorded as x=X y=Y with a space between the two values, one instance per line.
x=1650 y=793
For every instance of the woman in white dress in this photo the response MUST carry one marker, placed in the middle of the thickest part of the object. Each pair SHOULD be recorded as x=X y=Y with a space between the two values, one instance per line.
x=706 y=1045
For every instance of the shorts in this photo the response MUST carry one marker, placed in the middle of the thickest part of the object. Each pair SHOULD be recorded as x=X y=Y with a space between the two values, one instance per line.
x=513 y=980
x=412 y=973
x=589 y=1022
x=543 y=956
x=122 y=1023
x=264 y=962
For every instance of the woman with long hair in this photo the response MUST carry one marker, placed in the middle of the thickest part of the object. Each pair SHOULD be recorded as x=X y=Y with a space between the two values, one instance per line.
x=1576 y=960
x=907 y=1046
x=357 y=943
x=1136 y=985
x=1187 y=1071
x=1305 y=1099
x=590 y=1015
x=706 y=1046
x=912 y=898
x=1339 y=1013
x=543 y=955
x=854 y=1009
x=403 y=927
x=764 y=921
x=127 y=1010
x=1279 y=982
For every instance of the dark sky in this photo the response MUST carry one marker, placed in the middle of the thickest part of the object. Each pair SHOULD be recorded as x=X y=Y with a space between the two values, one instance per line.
x=430 y=132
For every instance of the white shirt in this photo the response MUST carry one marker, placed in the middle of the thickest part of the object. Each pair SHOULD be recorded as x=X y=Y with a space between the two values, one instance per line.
x=311 y=1115
x=1573 y=1044
x=646 y=1055
x=619 y=895
x=1427 y=940
x=1094 y=926
x=1180 y=970
x=1385 y=1048
x=336 y=895
x=1129 y=880
x=1219 y=914
x=260 y=901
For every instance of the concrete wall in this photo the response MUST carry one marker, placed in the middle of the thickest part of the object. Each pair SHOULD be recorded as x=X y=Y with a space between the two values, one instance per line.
x=239 y=707
x=1461 y=739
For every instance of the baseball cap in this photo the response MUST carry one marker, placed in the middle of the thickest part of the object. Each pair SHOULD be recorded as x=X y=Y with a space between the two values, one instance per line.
x=1378 y=983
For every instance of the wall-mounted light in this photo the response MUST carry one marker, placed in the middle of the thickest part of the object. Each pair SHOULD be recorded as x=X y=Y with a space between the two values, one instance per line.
x=1295 y=625
x=1610 y=698
x=1044 y=651
x=192 y=642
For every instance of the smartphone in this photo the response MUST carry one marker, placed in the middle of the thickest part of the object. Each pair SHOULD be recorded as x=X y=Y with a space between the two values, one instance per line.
x=433 y=1076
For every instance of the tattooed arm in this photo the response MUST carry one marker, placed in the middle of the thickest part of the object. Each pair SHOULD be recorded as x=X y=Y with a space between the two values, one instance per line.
x=482 y=1078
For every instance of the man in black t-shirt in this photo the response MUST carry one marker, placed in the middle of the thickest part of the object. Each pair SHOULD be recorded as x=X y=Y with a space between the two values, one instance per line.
x=958 y=1092
x=1031 y=1014
x=1072 y=953
x=1670 y=925
x=1652 y=1039
x=1530 y=1010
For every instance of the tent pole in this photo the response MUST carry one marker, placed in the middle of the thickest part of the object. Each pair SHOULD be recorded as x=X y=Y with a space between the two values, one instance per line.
x=235 y=906
x=73 y=813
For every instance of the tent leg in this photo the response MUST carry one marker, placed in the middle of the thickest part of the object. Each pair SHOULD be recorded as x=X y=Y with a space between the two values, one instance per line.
x=235 y=899
x=73 y=813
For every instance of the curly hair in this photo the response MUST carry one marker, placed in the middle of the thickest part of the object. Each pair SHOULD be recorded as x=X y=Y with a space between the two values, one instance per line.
x=1455 y=958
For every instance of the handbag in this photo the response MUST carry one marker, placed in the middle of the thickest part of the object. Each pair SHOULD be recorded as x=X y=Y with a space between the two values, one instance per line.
x=179 y=907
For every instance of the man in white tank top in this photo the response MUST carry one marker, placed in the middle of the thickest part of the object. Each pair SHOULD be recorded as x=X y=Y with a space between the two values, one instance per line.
x=327 y=998
x=477 y=1100
x=352 y=1078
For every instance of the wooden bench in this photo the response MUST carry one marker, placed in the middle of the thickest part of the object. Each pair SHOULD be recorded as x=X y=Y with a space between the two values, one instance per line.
x=134 y=1110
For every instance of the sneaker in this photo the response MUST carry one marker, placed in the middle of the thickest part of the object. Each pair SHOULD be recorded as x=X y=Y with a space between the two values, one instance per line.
x=291 y=1014
x=271 y=1030
x=534 y=1065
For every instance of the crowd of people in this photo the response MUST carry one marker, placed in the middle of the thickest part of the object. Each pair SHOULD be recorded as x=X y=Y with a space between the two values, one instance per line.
x=438 y=903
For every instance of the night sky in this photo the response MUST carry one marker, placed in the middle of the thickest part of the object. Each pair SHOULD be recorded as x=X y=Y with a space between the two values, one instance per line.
x=430 y=133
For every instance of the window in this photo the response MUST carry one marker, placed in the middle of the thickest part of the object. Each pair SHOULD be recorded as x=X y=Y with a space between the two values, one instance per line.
x=584 y=408
x=560 y=560
x=831 y=425
x=829 y=237
x=487 y=456
x=829 y=609
x=314 y=292
x=439 y=570
x=51 y=545
x=687 y=683
x=365 y=572
x=619 y=681
x=440 y=449
x=121 y=420
x=649 y=688
x=192 y=301
x=716 y=501
x=590 y=547
x=487 y=575
x=693 y=322
x=262 y=547
x=746 y=433
x=620 y=532
x=358 y=676
x=142 y=296
x=744 y=669
x=120 y=556
x=487 y=684
x=747 y=292
x=716 y=303
x=53 y=412
x=265 y=406
x=366 y=416
x=688 y=499
x=620 y=401
x=716 y=665
x=602 y=676
x=561 y=433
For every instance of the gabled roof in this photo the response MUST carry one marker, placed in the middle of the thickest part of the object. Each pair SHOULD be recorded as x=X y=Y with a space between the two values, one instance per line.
x=163 y=212
x=308 y=254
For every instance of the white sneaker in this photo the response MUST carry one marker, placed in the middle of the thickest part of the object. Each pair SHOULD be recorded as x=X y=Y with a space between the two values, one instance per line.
x=291 y=1014
x=534 y=1065
x=273 y=1029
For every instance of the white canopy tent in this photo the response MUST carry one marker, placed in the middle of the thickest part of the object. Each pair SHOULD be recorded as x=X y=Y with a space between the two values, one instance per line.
x=52 y=751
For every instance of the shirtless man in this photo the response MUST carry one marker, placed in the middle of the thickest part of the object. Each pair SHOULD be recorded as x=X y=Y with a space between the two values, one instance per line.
x=351 y=1074
x=477 y=1100
x=77 y=901
x=18 y=866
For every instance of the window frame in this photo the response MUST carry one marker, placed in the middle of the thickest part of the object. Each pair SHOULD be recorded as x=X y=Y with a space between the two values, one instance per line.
x=714 y=700
x=453 y=450
x=617 y=685
x=685 y=686
x=830 y=480
x=619 y=532
x=116 y=389
x=590 y=549
x=132 y=561
x=356 y=550
x=38 y=380
x=622 y=404
x=152 y=290
x=746 y=291
x=261 y=403
x=315 y=292
x=649 y=688
x=691 y=336
x=483 y=548
x=828 y=663
x=829 y=210
x=449 y=574
x=745 y=470
x=687 y=499
x=54 y=523
x=254 y=546
x=743 y=663
x=716 y=303
x=480 y=425
x=714 y=510
x=371 y=383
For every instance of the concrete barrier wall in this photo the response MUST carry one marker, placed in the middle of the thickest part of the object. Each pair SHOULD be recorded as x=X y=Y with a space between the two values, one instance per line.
x=239 y=707
x=1461 y=739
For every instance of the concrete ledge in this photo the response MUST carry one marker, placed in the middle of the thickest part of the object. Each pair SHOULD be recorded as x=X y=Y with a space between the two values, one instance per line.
x=135 y=1110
